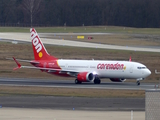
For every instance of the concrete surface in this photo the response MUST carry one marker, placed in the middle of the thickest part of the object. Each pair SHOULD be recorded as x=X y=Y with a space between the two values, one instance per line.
x=49 y=114
x=25 y=37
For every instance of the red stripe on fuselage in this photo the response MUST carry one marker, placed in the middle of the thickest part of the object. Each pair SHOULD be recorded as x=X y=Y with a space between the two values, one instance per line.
x=47 y=64
x=53 y=64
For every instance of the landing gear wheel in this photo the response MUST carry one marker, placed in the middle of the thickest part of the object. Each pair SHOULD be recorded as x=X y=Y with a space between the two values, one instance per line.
x=77 y=82
x=97 y=81
x=138 y=83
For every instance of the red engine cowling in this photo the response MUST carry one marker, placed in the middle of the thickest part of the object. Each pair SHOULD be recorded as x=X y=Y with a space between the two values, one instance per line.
x=85 y=77
x=117 y=79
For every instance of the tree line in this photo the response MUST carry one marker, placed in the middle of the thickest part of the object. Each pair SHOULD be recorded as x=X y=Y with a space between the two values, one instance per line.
x=131 y=13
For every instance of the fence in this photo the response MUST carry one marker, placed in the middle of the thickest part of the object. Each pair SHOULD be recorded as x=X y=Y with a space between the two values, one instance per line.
x=24 y=25
x=152 y=104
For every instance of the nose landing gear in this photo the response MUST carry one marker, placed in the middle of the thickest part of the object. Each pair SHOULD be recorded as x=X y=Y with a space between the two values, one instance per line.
x=138 y=83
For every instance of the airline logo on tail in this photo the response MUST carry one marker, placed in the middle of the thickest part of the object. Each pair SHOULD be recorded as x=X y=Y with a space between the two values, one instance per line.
x=36 y=42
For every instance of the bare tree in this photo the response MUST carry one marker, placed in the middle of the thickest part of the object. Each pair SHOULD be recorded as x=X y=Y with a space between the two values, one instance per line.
x=32 y=7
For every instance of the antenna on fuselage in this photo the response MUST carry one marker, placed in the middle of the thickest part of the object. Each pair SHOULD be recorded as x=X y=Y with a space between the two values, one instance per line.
x=130 y=59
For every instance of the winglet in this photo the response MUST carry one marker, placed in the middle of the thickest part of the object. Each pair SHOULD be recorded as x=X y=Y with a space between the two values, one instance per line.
x=18 y=64
x=130 y=59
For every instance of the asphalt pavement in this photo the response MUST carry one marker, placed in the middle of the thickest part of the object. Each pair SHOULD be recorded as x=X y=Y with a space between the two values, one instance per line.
x=70 y=103
x=70 y=84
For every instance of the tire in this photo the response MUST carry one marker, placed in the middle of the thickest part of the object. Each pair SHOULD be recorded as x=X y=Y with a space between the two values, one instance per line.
x=138 y=83
x=97 y=81
x=77 y=82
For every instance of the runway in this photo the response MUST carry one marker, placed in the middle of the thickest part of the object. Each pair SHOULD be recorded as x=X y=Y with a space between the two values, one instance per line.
x=71 y=84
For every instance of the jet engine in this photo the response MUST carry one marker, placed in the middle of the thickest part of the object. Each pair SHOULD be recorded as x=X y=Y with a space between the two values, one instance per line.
x=117 y=79
x=85 y=77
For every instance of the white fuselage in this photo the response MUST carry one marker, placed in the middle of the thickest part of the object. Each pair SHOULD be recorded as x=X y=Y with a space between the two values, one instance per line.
x=106 y=69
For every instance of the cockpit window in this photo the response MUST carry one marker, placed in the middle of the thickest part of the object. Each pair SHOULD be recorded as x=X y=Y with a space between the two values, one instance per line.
x=141 y=67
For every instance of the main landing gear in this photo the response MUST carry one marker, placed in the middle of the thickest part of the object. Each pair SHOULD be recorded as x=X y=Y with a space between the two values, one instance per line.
x=138 y=83
x=77 y=82
x=97 y=80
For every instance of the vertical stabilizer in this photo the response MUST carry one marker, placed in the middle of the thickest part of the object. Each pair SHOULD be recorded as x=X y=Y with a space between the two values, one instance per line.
x=40 y=52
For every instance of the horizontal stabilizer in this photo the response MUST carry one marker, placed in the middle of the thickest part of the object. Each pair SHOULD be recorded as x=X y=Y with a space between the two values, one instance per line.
x=18 y=64
x=27 y=61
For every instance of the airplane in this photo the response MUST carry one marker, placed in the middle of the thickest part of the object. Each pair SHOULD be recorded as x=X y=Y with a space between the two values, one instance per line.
x=83 y=70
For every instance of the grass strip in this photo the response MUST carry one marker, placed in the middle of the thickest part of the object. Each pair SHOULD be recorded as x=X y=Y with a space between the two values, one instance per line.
x=74 y=92
x=85 y=29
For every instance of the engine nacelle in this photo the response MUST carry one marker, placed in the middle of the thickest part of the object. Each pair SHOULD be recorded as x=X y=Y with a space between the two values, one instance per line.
x=117 y=79
x=85 y=77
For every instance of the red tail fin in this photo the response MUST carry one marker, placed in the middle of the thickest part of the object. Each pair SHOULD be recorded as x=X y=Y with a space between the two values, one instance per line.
x=40 y=52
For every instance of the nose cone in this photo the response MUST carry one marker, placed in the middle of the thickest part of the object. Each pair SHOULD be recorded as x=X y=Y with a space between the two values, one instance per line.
x=147 y=72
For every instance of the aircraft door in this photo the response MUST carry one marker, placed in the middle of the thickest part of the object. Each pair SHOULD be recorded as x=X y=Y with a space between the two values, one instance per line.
x=131 y=69
x=44 y=65
x=66 y=66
